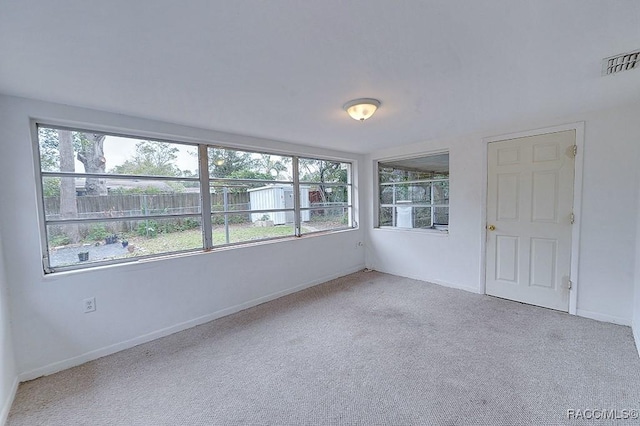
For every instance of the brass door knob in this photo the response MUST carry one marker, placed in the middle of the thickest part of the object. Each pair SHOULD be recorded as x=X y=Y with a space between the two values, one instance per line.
x=491 y=228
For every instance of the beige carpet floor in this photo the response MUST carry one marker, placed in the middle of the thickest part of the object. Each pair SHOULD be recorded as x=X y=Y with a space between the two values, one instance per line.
x=366 y=349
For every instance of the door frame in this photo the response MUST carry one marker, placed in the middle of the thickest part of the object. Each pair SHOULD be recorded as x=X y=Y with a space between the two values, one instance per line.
x=577 y=202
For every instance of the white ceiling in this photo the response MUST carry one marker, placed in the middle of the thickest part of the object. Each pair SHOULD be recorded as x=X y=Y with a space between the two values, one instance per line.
x=282 y=69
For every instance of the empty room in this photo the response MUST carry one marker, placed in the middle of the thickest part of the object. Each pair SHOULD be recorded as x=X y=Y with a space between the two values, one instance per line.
x=319 y=213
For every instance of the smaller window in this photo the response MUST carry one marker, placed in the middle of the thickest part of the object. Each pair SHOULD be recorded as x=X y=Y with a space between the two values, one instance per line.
x=414 y=193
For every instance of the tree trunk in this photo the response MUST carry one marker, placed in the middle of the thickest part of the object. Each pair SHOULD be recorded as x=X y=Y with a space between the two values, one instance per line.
x=92 y=157
x=68 y=206
x=438 y=198
x=323 y=189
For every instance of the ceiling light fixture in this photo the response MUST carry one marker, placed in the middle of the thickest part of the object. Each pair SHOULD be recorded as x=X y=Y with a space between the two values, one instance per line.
x=361 y=109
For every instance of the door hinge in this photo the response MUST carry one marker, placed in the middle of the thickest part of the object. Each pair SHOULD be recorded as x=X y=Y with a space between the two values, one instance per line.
x=569 y=284
x=575 y=150
x=572 y=218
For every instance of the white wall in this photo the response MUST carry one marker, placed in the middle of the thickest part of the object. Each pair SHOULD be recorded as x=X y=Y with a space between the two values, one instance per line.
x=139 y=301
x=608 y=234
x=8 y=374
x=452 y=259
x=608 y=222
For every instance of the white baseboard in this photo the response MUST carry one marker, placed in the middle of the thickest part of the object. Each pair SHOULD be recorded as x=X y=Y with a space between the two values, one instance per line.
x=603 y=317
x=635 y=329
x=438 y=282
x=456 y=286
x=8 y=402
x=117 y=347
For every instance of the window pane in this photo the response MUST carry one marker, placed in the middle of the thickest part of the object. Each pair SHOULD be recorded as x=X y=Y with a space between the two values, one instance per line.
x=386 y=194
x=419 y=168
x=441 y=192
x=234 y=164
x=409 y=192
x=324 y=207
x=441 y=217
x=267 y=197
x=402 y=192
x=417 y=188
x=322 y=195
x=89 y=152
x=421 y=217
x=386 y=174
x=230 y=198
x=251 y=227
x=386 y=216
x=323 y=219
x=420 y=192
x=404 y=217
x=75 y=244
x=390 y=174
x=323 y=171
x=124 y=198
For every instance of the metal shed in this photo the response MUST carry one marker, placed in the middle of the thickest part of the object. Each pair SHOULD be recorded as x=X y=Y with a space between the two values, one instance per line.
x=274 y=197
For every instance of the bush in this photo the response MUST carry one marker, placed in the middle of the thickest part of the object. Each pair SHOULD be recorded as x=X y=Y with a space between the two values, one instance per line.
x=97 y=233
x=59 y=240
x=152 y=228
x=148 y=228
x=233 y=218
x=187 y=223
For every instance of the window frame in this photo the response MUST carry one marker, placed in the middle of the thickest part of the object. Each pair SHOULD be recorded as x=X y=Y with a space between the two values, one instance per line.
x=205 y=184
x=349 y=203
x=378 y=204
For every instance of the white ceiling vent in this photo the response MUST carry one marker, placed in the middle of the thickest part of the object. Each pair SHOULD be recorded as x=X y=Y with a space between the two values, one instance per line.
x=622 y=62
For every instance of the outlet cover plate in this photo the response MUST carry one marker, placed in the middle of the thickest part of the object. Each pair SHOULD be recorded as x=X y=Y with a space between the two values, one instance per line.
x=89 y=305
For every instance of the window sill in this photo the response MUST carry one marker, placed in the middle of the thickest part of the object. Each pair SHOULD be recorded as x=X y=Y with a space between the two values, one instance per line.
x=435 y=232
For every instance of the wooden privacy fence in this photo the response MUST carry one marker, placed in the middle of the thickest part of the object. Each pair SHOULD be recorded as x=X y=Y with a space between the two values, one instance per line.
x=124 y=206
x=127 y=205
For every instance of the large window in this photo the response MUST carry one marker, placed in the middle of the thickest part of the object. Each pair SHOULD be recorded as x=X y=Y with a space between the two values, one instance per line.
x=414 y=193
x=111 y=198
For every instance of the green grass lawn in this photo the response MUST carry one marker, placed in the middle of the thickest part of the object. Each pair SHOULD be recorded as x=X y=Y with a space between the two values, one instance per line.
x=192 y=239
x=166 y=243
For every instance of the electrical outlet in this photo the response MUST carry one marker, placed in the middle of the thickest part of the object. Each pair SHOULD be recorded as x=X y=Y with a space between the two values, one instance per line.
x=89 y=304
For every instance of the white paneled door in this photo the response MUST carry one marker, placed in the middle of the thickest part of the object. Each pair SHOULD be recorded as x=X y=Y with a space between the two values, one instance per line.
x=529 y=219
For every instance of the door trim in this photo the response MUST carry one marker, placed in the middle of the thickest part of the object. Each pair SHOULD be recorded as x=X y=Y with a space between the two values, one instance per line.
x=577 y=202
